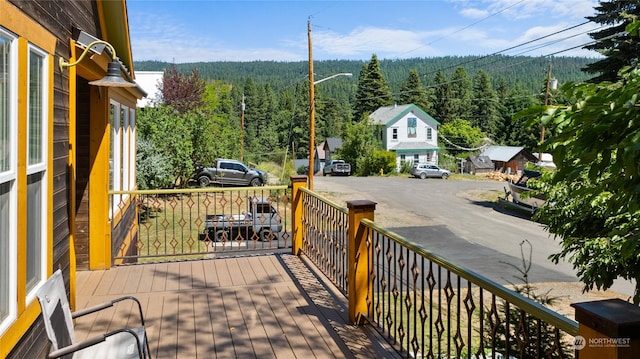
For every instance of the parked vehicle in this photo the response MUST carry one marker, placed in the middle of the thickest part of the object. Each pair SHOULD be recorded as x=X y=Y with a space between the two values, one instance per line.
x=423 y=171
x=261 y=219
x=517 y=188
x=337 y=168
x=225 y=172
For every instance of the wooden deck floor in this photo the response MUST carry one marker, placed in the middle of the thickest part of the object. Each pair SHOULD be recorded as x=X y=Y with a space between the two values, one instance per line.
x=267 y=306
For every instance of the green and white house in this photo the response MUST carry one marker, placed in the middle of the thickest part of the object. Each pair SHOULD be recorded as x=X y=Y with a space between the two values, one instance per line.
x=408 y=131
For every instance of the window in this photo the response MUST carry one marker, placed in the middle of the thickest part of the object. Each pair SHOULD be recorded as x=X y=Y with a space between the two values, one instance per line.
x=36 y=167
x=132 y=147
x=394 y=134
x=8 y=163
x=416 y=158
x=429 y=134
x=412 y=124
x=124 y=148
x=115 y=154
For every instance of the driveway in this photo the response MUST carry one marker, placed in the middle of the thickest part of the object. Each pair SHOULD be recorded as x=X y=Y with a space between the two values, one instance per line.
x=460 y=221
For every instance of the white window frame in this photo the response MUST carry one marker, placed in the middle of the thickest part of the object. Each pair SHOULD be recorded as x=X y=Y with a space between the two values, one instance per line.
x=10 y=177
x=115 y=154
x=124 y=144
x=41 y=166
x=132 y=148
x=429 y=133
x=394 y=134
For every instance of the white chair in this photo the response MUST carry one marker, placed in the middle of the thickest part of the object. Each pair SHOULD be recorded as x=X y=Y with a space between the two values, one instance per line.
x=58 y=321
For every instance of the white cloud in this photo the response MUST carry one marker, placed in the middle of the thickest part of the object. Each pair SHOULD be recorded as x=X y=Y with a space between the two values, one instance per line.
x=474 y=13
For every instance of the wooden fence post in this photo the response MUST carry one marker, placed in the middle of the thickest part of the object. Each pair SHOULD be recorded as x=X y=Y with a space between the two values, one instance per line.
x=607 y=329
x=296 y=213
x=358 y=279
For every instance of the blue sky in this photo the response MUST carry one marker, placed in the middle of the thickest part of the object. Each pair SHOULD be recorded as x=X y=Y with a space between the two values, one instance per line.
x=206 y=30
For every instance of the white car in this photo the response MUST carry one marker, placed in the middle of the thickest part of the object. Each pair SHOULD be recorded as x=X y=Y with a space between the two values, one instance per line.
x=424 y=170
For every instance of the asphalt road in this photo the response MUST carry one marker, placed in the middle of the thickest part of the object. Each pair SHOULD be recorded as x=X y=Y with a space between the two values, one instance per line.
x=459 y=220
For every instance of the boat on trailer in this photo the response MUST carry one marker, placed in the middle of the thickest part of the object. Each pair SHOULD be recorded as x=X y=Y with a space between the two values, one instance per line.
x=520 y=187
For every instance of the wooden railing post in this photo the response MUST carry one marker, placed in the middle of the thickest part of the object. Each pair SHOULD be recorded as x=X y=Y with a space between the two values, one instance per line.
x=607 y=329
x=358 y=279
x=296 y=213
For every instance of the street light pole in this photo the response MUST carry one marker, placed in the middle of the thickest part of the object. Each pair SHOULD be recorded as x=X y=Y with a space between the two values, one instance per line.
x=312 y=108
x=551 y=84
x=312 y=112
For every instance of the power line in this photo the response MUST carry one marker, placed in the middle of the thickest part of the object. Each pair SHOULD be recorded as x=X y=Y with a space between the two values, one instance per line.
x=511 y=48
x=468 y=26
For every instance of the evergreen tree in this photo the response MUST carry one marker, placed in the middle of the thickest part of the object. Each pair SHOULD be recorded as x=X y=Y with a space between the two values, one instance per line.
x=413 y=92
x=619 y=48
x=510 y=130
x=484 y=104
x=442 y=106
x=460 y=86
x=266 y=138
x=373 y=91
x=296 y=107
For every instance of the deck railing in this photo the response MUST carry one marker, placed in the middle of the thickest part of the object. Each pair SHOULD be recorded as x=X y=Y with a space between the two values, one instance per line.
x=423 y=304
x=325 y=228
x=429 y=307
x=170 y=224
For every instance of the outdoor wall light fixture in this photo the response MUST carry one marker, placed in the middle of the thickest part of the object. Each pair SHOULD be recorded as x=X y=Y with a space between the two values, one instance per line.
x=112 y=78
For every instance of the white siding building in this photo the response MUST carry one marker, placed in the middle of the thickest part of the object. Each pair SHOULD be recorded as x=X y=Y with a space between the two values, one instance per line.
x=149 y=81
x=409 y=132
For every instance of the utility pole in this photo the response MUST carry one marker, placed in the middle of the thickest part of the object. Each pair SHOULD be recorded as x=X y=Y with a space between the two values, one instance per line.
x=546 y=102
x=242 y=131
x=312 y=110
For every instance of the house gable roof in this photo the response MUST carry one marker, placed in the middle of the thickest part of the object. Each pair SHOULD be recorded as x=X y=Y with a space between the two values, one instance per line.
x=332 y=144
x=502 y=153
x=387 y=115
x=480 y=162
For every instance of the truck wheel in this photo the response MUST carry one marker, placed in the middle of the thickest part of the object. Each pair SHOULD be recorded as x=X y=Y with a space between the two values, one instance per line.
x=255 y=182
x=265 y=235
x=203 y=181
x=221 y=235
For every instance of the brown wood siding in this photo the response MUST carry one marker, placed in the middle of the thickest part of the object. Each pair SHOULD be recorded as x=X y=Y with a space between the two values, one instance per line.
x=122 y=230
x=82 y=174
x=32 y=345
x=57 y=17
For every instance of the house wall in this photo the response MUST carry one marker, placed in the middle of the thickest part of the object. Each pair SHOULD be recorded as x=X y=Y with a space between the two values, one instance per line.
x=420 y=137
x=514 y=165
x=46 y=24
x=75 y=125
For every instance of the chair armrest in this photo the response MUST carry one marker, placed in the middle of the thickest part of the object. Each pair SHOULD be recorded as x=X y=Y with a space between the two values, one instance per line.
x=75 y=347
x=106 y=305
x=93 y=341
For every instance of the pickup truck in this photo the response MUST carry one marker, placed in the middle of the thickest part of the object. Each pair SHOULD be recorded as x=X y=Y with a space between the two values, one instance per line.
x=336 y=167
x=225 y=172
x=260 y=221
